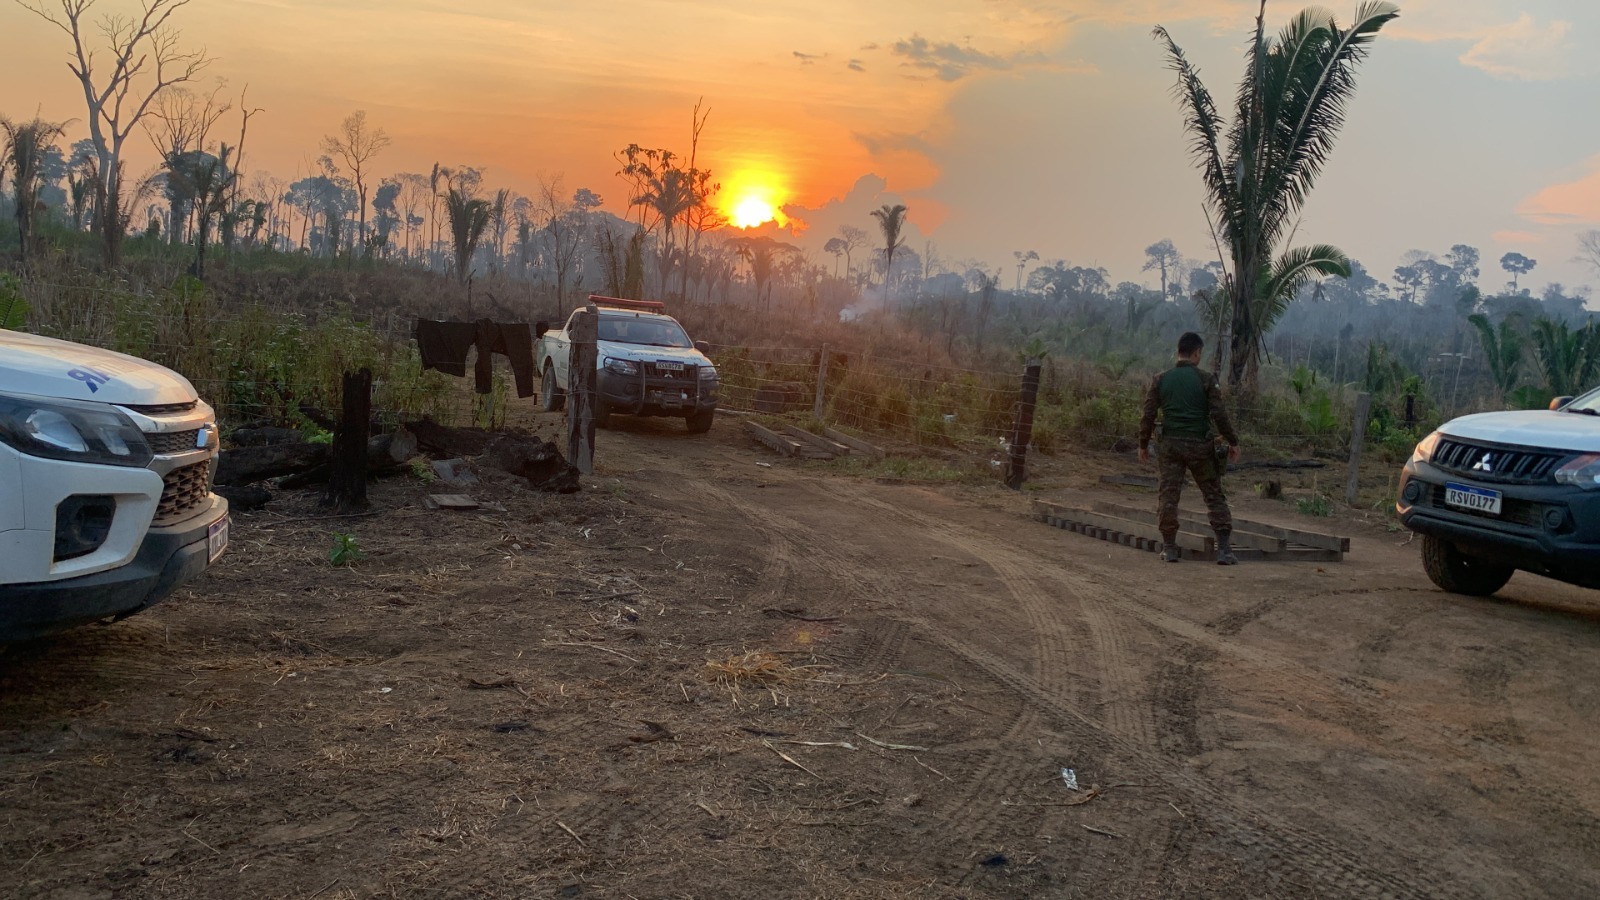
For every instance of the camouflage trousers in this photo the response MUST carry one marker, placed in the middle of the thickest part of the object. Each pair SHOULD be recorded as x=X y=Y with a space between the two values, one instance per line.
x=1174 y=458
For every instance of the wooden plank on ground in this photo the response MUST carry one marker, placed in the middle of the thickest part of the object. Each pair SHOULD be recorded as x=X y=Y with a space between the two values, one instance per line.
x=1290 y=535
x=776 y=441
x=1107 y=527
x=1245 y=533
x=1143 y=481
x=816 y=441
x=451 y=501
x=853 y=443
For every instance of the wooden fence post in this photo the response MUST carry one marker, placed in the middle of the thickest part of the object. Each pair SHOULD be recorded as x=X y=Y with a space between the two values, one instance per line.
x=1022 y=427
x=1358 y=436
x=822 y=384
x=582 y=381
x=347 y=471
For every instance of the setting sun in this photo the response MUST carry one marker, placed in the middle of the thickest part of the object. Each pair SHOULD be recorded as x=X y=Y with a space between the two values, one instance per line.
x=752 y=211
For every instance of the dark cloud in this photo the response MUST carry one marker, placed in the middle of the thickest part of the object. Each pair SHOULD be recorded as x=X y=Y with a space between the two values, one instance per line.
x=807 y=59
x=947 y=61
x=855 y=65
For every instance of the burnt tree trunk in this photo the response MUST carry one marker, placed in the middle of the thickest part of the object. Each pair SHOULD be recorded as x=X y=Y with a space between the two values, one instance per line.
x=347 y=475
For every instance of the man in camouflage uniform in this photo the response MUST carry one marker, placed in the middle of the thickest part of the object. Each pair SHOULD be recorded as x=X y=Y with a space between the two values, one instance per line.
x=1189 y=401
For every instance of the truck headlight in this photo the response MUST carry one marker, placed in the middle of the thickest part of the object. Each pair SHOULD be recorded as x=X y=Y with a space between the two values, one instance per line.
x=1425 y=447
x=621 y=366
x=1583 y=472
x=708 y=373
x=73 y=431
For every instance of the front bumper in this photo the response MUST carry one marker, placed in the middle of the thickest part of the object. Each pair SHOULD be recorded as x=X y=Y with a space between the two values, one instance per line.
x=1548 y=529
x=645 y=396
x=166 y=559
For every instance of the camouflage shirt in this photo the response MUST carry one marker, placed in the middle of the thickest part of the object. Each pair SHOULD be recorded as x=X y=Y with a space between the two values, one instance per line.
x=1189 y=400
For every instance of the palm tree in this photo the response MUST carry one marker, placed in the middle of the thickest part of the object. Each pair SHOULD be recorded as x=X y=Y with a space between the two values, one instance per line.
x=1290 y=107
x=1569 y=359
x=469 y=218
x=1503 y=348
x=891 y=219
x=25 y=146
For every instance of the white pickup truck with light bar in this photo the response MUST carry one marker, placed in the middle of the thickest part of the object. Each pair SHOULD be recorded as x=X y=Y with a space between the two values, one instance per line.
x=1499 y=492
x=106 y=465
x=647 y=366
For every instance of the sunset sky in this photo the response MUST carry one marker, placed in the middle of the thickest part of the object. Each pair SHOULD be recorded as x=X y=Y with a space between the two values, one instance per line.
x=1003 y=125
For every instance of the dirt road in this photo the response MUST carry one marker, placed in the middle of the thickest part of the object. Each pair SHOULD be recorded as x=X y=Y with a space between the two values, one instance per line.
x=519 y=704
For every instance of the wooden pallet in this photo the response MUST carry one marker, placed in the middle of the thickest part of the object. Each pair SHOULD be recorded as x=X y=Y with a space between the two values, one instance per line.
x=1137 y=528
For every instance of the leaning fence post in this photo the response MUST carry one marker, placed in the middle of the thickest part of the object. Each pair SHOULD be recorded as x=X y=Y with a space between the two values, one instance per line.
x=581 y=378
x=1022 y=426
x=1358 y=436
x=822 y=384
x=347 y=470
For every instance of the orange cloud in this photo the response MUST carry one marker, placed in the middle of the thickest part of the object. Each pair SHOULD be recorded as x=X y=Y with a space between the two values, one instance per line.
x=1570 y=203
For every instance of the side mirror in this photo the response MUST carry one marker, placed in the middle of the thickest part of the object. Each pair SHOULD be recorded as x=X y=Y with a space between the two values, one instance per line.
x=705 y=348
x=1559 y=402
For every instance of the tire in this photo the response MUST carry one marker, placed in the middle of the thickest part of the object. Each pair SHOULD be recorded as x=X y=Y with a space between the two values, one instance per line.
x=551 y=397
x=700 y=422
x=602 y=413
x=1459 y=573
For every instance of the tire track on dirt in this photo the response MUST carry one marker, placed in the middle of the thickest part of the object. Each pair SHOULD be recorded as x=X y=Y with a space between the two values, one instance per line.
x=1278 y=841
x=1122 y=695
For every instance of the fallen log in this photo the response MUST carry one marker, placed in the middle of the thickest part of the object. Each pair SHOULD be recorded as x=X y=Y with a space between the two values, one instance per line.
x=249 y=465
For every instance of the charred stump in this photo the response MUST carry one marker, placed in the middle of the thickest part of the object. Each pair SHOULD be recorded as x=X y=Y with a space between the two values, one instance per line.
x=347 y=472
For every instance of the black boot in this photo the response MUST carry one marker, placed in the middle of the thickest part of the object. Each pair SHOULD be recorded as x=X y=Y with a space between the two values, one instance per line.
x=1225 y=555
x=1170 y=552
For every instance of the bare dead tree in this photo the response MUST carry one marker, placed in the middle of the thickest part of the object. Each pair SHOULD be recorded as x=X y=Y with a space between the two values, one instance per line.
x=356 y=144
x=178 y=123
x=145 y=61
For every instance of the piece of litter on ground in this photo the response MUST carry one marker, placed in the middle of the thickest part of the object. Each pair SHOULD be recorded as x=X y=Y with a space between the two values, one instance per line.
x=1071 y=778
x=384 y=690
x=764 y=465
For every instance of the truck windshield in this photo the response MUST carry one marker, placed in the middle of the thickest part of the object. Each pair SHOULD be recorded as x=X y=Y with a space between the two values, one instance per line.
x=647 y=332
x=1588 y=404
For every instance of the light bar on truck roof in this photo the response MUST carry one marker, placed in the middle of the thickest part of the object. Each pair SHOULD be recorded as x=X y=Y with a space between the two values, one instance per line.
x=655 y=306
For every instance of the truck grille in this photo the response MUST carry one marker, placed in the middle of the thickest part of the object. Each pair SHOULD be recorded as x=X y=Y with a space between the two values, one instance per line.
x=164 y=409
x=173 y=441
x=1510 y=465
x=186 y=490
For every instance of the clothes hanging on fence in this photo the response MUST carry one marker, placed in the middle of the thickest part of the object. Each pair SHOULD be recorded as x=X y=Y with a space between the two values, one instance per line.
x=444 y=346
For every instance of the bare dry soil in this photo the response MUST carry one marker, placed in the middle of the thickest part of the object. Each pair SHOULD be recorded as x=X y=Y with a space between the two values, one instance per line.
x=519 y=704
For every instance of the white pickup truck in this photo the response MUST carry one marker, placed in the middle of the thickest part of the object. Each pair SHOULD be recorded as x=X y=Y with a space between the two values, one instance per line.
x=106 y=465
x=647 y=366
x=1497 y=492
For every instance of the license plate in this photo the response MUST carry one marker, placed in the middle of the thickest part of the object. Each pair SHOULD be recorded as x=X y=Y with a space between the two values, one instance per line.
x=217 y=539
x=669 y=367
x=1472 y=498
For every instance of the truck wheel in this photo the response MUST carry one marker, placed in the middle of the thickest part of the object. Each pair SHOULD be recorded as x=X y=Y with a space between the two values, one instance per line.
x=551 y=397
x=1459 y=573
x=602 y=413
x=700 y=422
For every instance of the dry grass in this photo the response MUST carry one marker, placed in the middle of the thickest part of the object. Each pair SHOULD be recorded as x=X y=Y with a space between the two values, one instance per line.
x=753 y=668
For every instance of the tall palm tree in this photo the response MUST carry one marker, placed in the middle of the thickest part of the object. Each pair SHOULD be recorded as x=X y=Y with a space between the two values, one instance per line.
x=469 y=218
x=891 y=219
x=1290 y=107
x=25 y=147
